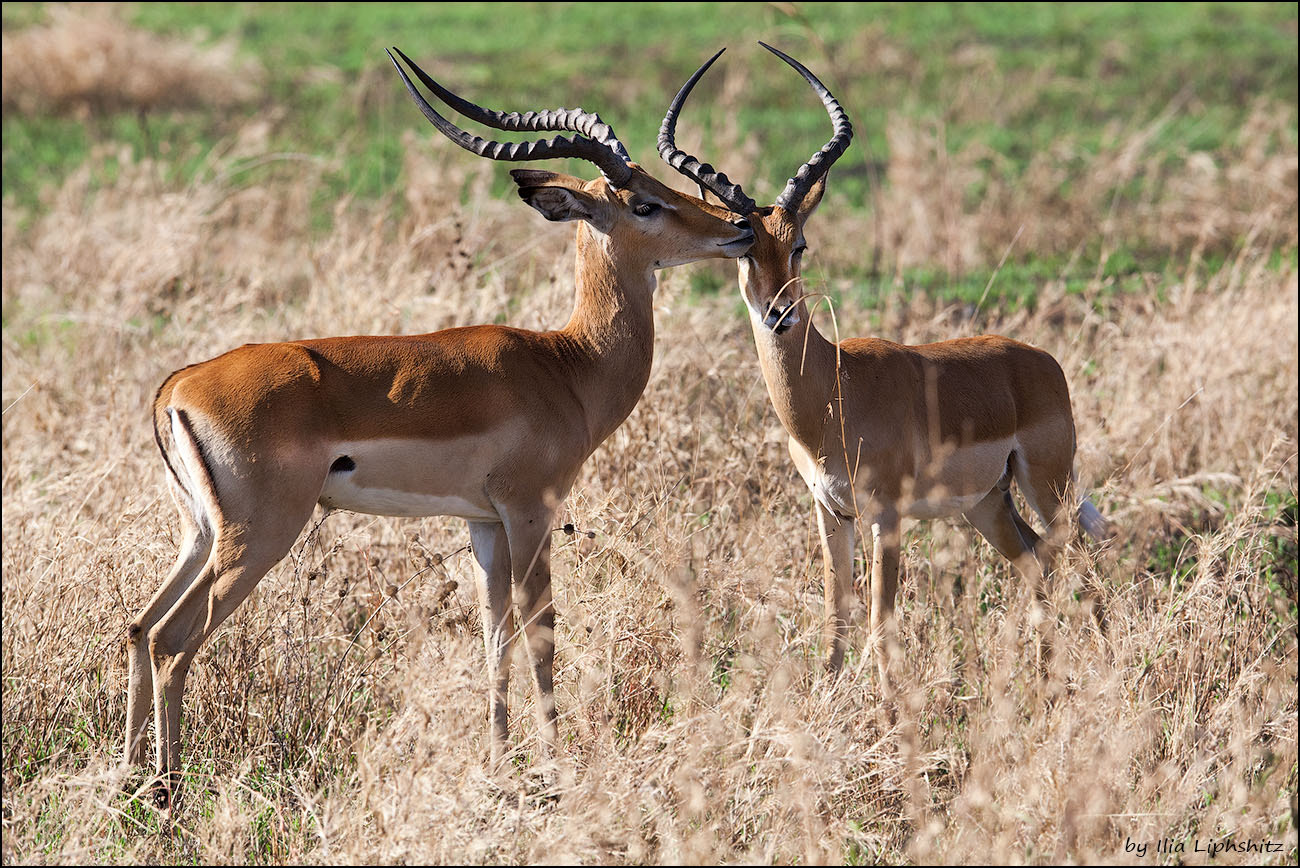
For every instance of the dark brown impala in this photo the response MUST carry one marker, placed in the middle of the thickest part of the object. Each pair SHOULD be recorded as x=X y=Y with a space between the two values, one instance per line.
x=883 y=432
x=488 y=423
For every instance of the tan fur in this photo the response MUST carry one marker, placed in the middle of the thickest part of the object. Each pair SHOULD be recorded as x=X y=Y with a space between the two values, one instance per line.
x=882 y=432
x=487 y=422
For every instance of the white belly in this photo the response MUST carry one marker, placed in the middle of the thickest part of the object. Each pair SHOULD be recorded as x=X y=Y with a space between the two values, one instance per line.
x=958 y=478
x=390 y=501
x=414 y=478
x=942 y=507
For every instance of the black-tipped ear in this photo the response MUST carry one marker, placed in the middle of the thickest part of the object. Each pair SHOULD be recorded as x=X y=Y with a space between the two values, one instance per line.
x=560 y=198
x=532 y=177
x=558 y=204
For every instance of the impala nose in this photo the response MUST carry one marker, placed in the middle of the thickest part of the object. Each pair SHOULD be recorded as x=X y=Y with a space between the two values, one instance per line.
x=742 y=225
x=781 y=317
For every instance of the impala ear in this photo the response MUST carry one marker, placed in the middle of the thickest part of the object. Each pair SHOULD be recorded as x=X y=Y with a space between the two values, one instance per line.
x=812 y=198
x=534 y=177
x=557 y=197
x=556 y=203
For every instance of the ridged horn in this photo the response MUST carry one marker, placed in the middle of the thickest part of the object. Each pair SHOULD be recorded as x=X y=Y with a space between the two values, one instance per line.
x=595 y=141
x=817 y=166
x=702 y=174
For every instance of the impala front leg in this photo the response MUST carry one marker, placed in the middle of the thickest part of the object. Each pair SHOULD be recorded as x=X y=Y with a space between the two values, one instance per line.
x=885 y=533
x=492 y=552
x=837 y=535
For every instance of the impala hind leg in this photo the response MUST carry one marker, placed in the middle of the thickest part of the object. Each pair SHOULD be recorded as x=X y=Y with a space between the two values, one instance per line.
x=196 y=545
x=491 y=550
x=530 y=557
x=1046 y=487
x=837 y=536
x=997 y=520
x=241 y=555
x=1045 y=483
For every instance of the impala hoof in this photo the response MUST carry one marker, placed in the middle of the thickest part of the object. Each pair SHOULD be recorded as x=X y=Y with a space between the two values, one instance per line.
x=163 y=793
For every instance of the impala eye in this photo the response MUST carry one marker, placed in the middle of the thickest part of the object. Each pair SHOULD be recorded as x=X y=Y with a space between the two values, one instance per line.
x=645 y=209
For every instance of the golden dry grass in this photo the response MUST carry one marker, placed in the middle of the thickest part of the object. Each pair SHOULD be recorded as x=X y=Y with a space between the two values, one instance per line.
x=86 y=60
x=1068 y=201
x=330 y=722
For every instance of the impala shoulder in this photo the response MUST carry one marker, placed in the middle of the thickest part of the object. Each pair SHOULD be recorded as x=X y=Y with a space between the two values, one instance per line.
x=871 y=348
x=484 y=344
x=880 y=358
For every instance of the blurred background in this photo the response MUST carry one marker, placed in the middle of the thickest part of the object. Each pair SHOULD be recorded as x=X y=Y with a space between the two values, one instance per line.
x=974 y=122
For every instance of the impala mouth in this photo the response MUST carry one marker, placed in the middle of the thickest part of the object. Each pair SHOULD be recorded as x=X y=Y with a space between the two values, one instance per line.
x=780 y=319
x=737 y=247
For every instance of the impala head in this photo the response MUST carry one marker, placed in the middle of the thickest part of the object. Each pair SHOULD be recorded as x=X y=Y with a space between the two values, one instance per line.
x=633 y=215
x=770 y=273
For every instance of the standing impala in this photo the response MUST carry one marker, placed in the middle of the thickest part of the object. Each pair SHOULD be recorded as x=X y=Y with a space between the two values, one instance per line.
x=487 y=423
x=880 y=431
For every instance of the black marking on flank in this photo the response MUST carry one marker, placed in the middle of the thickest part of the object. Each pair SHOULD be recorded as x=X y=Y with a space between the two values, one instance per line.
x=343 y=464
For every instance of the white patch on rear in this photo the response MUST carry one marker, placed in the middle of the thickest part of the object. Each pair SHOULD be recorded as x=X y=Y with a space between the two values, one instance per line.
x=191 y=484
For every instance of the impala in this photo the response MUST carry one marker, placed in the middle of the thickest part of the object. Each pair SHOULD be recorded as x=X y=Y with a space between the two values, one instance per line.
x=882 y=432
x=487 y=423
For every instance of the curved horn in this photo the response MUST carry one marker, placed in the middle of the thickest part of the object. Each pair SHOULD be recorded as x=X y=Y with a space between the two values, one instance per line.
x=798 y=186
x=701 y=173
x=595 y=141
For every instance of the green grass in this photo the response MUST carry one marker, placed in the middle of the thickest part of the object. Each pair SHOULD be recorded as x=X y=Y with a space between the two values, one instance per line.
x=1013 y=78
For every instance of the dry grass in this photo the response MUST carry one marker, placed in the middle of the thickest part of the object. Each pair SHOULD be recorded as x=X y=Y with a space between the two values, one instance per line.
x=964 y=210
x=85 y=59
x=330 y=722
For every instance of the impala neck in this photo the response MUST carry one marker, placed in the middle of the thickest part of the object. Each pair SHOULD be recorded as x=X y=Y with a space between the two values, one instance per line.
x=613 y=329
x=799 y=367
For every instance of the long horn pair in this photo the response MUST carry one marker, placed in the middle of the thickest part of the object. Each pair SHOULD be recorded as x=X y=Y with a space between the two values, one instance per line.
x=731 y=194
x=595 y=141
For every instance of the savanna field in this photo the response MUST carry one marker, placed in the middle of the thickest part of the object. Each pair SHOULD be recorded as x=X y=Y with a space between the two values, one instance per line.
x=1116 y=184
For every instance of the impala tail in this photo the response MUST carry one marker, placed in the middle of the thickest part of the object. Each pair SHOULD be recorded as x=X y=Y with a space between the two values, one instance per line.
x=1093 y=522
